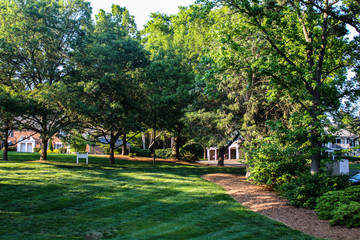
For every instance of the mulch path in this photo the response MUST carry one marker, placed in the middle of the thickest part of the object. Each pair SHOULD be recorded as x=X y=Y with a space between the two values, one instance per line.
x=263 y=200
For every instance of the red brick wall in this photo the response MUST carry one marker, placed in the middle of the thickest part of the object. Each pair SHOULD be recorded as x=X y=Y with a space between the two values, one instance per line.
x=18 y=134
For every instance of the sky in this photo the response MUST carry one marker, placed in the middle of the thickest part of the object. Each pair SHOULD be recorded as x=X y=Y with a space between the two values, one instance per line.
x=141 y=9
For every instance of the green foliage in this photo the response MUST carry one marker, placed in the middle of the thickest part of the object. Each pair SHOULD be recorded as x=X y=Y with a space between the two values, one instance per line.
x=304 y=190
x=273 y=163
x=188 y=156
x=105 y=148
x=141 y=152
x=39 y=39
x=12 y=149
x=347 y=214
x=164 y=153
x=37 y=149
x=340 y=207
x=63 y=150
x=132 y=154
x=329 y=202
x=76 y=141
x=50 y=146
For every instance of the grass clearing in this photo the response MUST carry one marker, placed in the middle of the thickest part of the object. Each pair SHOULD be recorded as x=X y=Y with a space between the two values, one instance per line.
x=130 y=200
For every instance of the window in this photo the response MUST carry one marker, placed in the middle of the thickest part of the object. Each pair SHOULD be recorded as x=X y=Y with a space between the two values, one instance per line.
x=338 y=140
x=11 y=133
x=58 y=145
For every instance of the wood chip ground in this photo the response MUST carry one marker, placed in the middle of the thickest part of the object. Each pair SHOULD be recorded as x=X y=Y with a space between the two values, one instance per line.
x=266 y=202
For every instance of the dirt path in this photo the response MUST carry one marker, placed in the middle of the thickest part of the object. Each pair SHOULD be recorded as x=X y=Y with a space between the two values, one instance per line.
x=266 y=202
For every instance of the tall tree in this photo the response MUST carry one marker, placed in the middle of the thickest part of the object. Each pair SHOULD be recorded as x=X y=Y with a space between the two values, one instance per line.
x=109 y=91
x=305 y=54
x=37 y=38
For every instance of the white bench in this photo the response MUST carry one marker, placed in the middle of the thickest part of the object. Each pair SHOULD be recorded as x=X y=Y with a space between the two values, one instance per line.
x=82 y=155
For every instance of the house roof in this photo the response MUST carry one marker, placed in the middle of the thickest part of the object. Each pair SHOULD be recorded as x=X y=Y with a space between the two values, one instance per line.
x=345 y=133
x=118 y=142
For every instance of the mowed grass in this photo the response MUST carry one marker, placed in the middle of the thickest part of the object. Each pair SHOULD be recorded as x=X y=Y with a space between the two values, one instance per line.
x=130 y=200
x=354 y=166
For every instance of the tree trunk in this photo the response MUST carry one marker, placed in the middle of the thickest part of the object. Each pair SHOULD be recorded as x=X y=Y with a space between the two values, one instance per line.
x=154 y=149
x=154 y=133
x=124 y=145
x=221 y=156
x=316 y=143
x=112 y=150
x=205 y=153
x=143 y=140
x=175 y=149
x=44 y=147
x=176 y=145
x=5 y=151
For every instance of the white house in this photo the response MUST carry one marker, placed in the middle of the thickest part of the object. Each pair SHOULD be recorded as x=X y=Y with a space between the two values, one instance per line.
x=26 y=144
x=233 y=152
x=343 y=140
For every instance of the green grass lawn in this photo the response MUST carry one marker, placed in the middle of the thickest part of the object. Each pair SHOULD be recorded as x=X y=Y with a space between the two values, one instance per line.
x=130 y=200
x=354 y=166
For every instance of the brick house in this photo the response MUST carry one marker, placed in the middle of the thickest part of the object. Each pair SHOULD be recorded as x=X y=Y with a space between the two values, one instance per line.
x=26 y=141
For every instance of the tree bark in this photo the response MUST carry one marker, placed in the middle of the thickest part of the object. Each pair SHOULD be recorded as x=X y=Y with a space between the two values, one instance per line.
x=154 y=133
x=175 y=150
x=176 y=145
x=123 y=152
x=316 y=143
x=221 y=156
x=5 y=151
x=205 y=153
x=6 y=144
x=112 y=150
x=44 y=147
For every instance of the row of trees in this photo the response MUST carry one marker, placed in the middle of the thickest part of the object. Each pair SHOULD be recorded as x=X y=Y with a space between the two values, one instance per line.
x=216 y=71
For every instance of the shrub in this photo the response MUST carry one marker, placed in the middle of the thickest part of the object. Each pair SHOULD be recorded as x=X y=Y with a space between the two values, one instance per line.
x=164 y=153
x=304 y=190
x=50 y=147
x=63 y=150
x=340 y=207
x=195 y=149
x=37 y=149
x=188 y=156
x=329 y=202
x=347 y=214
x=49 y=151
x=132 y=154
x=56 y=151
x=140 y=151
x=12 y=148
x=274 y=163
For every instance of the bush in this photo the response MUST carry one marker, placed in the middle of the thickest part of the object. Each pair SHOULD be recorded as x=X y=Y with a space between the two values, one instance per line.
x=63 y=150
x=37 y=149
x=140 y=152
x=195 y=149
x=304 y=190
x=347 y=214
x=340 y=207
x=188 y=156
x=50 y=146
x=164 y=153
x=329 y=202
x=12 y=148
x=274 y=163
x=56 y=151
x=132 y=154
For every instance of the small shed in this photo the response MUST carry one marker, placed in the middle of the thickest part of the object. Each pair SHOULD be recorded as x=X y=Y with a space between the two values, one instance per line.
x=234 y=152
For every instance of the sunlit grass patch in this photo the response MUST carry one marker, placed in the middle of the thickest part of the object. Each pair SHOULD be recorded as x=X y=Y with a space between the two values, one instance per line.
x=130 y=200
